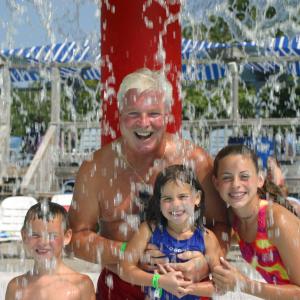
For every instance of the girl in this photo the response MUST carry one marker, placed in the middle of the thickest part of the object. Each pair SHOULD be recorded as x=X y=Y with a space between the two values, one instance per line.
x=174 y=225
x=268 y=234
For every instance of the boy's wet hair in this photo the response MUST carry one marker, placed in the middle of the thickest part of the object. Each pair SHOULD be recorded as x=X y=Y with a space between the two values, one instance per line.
x=174 y=173
x=235 y=150
x=46 y=211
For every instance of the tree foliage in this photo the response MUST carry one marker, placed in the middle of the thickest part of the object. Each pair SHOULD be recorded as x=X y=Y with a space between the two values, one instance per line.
x=80 y=99
x=266 y=102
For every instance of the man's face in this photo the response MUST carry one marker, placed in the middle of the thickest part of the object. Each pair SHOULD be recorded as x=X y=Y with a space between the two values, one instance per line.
x=143 y=120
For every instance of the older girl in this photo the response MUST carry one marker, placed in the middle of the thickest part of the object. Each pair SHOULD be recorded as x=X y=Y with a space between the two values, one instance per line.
x=268 y=234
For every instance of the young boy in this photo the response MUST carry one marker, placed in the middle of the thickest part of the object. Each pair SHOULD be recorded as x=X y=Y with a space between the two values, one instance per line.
x=45 y=232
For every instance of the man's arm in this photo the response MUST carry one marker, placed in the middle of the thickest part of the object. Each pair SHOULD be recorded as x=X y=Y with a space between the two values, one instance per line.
x=83 y=216
x=215 y=208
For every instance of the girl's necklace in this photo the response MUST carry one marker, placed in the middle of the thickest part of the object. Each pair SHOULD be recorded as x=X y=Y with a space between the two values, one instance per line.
x=254 y=214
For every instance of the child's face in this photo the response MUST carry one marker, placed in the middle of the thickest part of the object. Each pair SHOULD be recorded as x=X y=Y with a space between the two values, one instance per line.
x=178 y=202
x=45 y=240
x=237 y=180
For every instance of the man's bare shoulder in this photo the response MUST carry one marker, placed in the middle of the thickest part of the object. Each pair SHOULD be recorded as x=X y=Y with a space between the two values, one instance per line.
x=101 y=155
x=187 y=149
x=175 y=141
x=101 y=161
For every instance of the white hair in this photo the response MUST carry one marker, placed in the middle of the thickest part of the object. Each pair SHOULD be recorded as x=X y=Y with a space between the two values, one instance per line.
x=145 y=80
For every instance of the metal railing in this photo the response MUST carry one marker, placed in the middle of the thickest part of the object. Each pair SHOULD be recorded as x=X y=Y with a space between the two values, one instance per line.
x=208 y=133
x=213 y=135
x=77 y=141
x=65 y=144
x=40 y=176
x=69 y=144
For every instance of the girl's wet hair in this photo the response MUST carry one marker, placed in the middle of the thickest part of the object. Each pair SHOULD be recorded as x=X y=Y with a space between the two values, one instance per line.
x=46 y=211
x=174 y=173
x=235 y=150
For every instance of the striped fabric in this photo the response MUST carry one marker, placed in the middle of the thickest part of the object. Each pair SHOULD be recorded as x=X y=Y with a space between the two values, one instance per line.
x=261 y=253
x=276 y=54
x=201 y=60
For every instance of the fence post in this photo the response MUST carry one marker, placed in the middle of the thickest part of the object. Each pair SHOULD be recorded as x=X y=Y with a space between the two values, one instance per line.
x=5 y=122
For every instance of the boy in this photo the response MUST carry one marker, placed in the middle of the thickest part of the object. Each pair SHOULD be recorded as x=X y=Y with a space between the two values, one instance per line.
x=45 y=232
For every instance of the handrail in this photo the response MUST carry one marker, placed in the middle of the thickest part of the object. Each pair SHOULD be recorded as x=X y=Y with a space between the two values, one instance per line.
x=4 y=153
x=57 y=147
x=41 y=172
x=244 y=122
x=69 y=143
x=77 y=141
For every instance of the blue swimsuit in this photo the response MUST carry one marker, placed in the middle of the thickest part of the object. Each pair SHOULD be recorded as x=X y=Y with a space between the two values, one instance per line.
x=171 y=247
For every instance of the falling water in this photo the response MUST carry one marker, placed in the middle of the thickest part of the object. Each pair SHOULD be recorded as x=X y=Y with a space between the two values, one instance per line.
x=231 y=21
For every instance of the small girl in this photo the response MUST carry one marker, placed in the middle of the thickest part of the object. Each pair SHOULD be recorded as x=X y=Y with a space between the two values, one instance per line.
x=174 y=225
x=267 y=233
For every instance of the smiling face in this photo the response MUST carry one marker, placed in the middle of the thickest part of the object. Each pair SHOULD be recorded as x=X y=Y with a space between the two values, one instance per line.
x=45 y=240
x=177 y=203
x=237 y=180
x=143 y=120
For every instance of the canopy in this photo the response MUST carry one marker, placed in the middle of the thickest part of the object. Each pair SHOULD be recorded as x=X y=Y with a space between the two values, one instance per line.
x=202 y=60
x=207 y=60
x=71 y=58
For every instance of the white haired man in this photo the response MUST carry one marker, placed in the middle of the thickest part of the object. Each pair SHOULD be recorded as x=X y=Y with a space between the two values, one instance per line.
x=108 y=187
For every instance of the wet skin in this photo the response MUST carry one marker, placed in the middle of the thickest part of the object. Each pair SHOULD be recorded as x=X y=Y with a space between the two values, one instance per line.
x=237 y=181
x=50 y=278
x=177 y=205
x=147 y=149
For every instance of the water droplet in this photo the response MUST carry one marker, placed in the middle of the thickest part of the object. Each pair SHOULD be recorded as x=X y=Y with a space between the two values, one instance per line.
x=118 y=199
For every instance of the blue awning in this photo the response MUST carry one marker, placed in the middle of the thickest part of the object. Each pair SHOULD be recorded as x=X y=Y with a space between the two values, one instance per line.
x=69 y=54
x=201 y=59
x=271 y=56
x=66 y=52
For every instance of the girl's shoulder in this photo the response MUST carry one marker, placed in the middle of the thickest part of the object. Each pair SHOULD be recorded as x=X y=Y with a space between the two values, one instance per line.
x=278 y=216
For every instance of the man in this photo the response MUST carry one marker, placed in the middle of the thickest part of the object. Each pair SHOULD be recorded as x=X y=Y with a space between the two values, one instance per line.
x=108 y=186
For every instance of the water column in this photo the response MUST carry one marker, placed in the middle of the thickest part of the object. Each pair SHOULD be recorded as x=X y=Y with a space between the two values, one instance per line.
x=137 y=34
x=5 y=122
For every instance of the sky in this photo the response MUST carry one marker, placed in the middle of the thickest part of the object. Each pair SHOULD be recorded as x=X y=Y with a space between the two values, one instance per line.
x=26 y=23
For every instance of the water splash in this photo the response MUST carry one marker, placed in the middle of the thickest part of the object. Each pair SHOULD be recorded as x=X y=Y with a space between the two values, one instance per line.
x=259 y=22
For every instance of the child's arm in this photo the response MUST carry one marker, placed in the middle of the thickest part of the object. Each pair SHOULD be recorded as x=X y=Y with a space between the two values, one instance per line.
x=213 y=252
x=284 y=233
x=172 y=282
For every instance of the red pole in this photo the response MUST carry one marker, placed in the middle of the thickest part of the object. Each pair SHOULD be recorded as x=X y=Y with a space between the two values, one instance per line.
x=130 y=35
